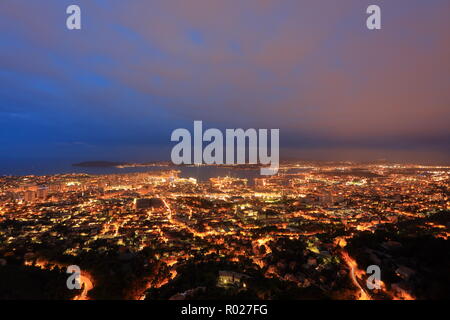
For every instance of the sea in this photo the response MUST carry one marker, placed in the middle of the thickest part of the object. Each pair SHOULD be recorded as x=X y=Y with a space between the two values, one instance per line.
x=52 y=167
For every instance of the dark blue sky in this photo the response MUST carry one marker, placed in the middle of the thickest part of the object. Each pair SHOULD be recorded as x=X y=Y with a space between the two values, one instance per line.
x=139 y=69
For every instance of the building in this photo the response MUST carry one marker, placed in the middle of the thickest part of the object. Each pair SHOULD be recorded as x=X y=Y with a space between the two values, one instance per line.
x=29 y=196
x=231 y=279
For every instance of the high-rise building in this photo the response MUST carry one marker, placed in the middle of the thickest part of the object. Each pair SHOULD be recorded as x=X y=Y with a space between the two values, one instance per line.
x=29 y=196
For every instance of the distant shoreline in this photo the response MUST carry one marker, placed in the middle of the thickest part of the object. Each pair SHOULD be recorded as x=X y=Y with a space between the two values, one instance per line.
x=98 y=164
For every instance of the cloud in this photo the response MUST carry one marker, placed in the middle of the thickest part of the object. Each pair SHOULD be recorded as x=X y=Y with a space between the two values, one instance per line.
x=139 y=69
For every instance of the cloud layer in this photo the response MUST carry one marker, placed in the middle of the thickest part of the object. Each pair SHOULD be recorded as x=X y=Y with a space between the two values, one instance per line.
x=139 y=69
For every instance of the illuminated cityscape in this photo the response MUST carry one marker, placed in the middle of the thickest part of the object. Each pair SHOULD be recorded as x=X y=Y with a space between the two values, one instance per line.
x=201 y=159
x=308 y=233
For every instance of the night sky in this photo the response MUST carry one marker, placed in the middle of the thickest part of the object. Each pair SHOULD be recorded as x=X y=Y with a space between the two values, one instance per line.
x=139 y=69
